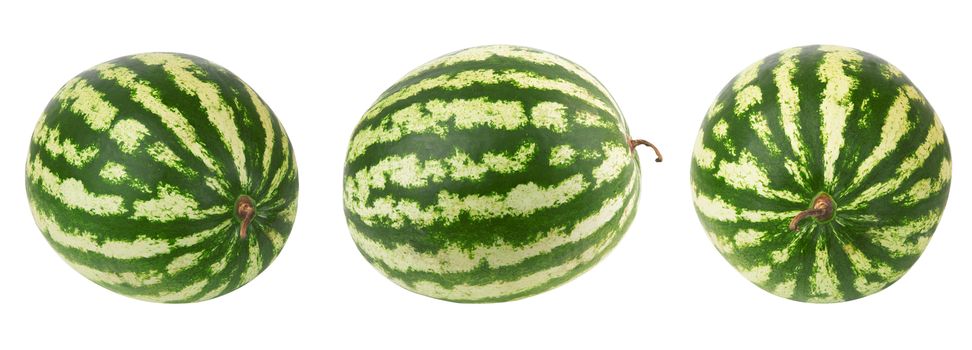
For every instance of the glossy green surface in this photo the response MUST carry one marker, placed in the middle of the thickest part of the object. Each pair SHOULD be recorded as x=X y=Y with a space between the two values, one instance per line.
x=135 y=168
x=812 y=120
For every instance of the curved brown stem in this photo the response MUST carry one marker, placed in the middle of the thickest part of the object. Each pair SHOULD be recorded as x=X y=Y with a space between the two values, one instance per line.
x=822 y=209
x=635 y=143
x=246 y=211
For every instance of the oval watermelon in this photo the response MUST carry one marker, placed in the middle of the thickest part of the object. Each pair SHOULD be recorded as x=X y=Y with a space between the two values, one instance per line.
x=163 y=177
x=490 y=174
x=820 y=173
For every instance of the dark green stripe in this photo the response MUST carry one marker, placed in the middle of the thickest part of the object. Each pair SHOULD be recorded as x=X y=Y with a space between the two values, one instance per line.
x=141 y=166
x=485 y=274
x=862 y=134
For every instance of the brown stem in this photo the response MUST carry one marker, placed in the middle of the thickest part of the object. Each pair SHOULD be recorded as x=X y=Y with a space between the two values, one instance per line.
x=822 y=209
x=634 y=143
x=246 y=211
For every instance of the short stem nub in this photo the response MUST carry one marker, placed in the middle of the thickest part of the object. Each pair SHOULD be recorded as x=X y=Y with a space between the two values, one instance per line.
x=245 y=211
x=822 y=210
x=634 y=143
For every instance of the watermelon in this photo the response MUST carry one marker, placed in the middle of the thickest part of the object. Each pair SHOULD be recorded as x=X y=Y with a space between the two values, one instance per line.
x=820 y=173
x=490 y=174
x=162 y=177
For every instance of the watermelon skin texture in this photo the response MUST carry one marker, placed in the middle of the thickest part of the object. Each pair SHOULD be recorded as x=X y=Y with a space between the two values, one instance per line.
x=135 y=169
x=812 y=120
x=490 y=174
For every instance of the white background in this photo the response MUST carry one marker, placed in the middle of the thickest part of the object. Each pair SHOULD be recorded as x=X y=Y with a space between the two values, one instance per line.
x=321 y=66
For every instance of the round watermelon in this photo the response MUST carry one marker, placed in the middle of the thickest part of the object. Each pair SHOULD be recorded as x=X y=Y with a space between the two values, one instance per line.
x=490 y=174
x=162 y=177
x=820 y=173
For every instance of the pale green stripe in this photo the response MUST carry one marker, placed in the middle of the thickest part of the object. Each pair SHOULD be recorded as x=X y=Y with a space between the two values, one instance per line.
x=51 y=141
x=113 y=172
x=161 y=153
x=72 y=192
x=87 y=102
x=277 y=240
x=140 y=247
x=714 y=109
x=788 y=96
x=836 y=104
x=721 y=132
x=524 y=80
x=759 y=125
x=522 y=200
x=549 y=115
x=134 y=279
x=934 y=138
x=758 y=274
x=800 y=172
x=864 y=267
x=183 y=294
x=562 y=155
x=824 y=285
x=468 y=113
x=410 y=172
x=220 y=265
x=182 y=262
x=895 y=126
x=220 y=115
x=749 y=238
x=747 y=174
x=254 y=261
x=764 y=216
x=498 y=289
x=287 y=166
x=746 y=98
x=484 y=52
x=590 y=120
x=784 y=254
x=433 y=117
x=746 y=76
x=264 y=112
x=629 y=209
x=128 y=134
x=927 y=187
x=616 y=159
x=890 y=71
x=194 y=238
x=498 y=254
x=172 y=204
x=715 y=208
x=785 y=288
x=722 y=244
x=703 y=156
x=116 y=173
x=39 y=130
x=218 y=185
x=290 y=212
x=899 y=239
x=744 y=238
x=148 y=98
x=215 y=292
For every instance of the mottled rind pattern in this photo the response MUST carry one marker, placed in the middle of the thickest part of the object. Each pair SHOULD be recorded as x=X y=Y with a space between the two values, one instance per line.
x=490 y=174
x=136 y=165
x=812 y=120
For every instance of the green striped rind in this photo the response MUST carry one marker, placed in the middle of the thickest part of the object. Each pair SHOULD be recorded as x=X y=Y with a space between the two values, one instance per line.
x=821 y=119
x=136 y=165
x=490 y=174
